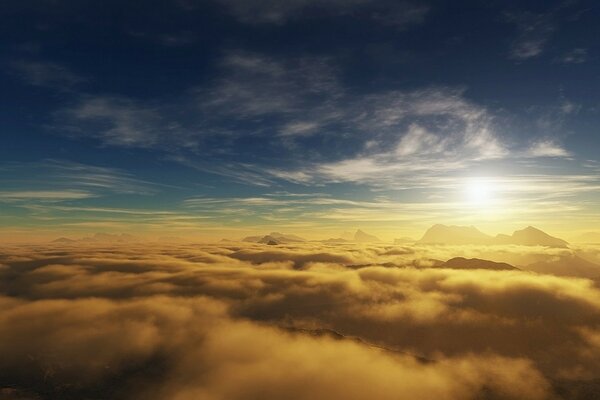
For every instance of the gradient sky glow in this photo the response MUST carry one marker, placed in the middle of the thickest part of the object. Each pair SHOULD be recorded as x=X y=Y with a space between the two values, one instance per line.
x=224 y=118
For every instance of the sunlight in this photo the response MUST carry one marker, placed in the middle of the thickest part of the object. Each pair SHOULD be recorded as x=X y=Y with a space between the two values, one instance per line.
x=480 y=192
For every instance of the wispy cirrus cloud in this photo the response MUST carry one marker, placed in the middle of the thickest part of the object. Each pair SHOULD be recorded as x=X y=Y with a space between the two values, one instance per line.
x=535 y=29
x=513 y=198
x=46 y=74
x=115 y=120
x=296 y=121
x=299 y=99
x=533 y=32
x=547 y=148
x=254 y=86
x=44 y=195
x=263 y=94
x=410 y=134
x=575 y=56
x=66 y=180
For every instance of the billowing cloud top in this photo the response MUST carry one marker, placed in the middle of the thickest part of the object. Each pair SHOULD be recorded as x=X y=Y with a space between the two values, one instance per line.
x=242 y=321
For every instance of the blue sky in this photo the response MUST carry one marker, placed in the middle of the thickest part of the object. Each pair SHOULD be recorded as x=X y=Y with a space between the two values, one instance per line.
x=227 y=117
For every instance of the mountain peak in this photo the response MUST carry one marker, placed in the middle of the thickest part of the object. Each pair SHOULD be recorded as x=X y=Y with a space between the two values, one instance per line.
x=286 y=237
x=454 y=235
x=465 y=235
x=532 y=236
x=274 y=237
x=476 y=263
x=361 y=236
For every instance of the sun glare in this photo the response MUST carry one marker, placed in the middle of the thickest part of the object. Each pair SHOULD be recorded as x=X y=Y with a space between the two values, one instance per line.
x=480 y=192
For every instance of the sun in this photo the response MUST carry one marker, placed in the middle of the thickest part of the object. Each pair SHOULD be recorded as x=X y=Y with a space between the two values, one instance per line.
x=480 y=192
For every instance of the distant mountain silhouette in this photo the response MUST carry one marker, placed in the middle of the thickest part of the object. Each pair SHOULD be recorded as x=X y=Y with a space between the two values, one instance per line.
x=476 y=263
x=454 y=235
x=287 y=237
x=569 y=265
x=531 y=236
x=347 y=236
x=359 y=236
x=268 y=239
x=274 y=237
x=465 y=235
x=363 y=237
x=253 y=239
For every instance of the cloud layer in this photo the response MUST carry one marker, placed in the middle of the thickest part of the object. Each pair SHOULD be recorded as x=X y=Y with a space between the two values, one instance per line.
x=238 y=321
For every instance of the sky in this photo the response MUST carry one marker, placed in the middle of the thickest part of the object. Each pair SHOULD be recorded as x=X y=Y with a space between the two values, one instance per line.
x=223 y=118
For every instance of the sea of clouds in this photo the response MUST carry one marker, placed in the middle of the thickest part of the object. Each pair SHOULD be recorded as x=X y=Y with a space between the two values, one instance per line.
x=299 y=321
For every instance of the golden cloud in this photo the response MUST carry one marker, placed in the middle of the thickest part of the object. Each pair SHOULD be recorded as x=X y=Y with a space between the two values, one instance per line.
x=239 y=321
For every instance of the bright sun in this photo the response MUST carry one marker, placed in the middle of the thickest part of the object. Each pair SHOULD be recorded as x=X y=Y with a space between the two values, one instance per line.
x=479 y=192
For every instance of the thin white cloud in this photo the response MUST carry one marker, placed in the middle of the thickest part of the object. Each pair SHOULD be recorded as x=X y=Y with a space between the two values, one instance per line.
x=435 y=120
x=547 y=148
x=514 y=199
x=254 y=86
x=65 y=180
x=533 y=33
x=118 y=121
x=425 y=127
x=418 y=132
x=575 y=56
x=419 y=141
x=551 y=119
x=44 y=195
x=46 y=74
x=388 y=138
x=569 y=107
x=95 y=178
x=300 y=128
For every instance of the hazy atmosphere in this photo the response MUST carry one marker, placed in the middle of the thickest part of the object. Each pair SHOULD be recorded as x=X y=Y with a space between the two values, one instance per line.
x=302 y=199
